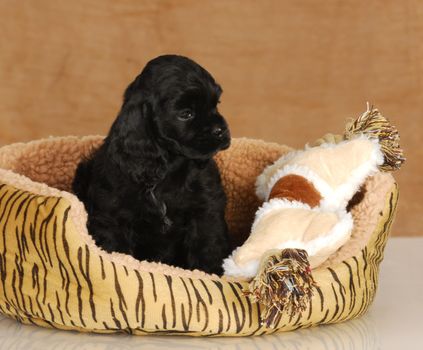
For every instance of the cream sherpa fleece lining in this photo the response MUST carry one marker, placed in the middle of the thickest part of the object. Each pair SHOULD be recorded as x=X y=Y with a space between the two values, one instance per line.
x=46 y=167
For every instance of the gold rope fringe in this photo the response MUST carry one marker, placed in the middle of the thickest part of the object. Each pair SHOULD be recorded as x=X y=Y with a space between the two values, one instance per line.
x=374 y=125
x=283 y=284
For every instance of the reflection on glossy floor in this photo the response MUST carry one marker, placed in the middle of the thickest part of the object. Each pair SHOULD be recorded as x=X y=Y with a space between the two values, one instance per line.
x=393 y=321
x=357 y=334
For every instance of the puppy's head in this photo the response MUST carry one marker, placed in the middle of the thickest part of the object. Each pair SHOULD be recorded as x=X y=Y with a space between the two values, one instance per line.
x=178 y=99
x=169 y=110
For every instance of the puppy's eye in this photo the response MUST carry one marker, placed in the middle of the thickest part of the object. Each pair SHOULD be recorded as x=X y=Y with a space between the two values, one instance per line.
x=186 y=115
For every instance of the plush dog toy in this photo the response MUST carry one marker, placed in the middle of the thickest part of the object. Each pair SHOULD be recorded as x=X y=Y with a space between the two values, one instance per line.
x=304 y=218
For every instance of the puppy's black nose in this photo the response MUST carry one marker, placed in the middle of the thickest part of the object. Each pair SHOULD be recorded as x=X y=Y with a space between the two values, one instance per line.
x=219 y=131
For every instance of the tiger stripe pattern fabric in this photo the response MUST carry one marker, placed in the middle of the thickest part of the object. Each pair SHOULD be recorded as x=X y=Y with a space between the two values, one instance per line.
x=50 y=277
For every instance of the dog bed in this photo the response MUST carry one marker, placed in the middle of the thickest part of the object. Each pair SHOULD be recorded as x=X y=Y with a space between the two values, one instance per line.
x=53 y=274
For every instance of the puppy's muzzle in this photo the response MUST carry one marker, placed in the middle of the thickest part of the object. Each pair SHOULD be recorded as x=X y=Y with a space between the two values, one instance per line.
x=222 y=134
x=220 y=131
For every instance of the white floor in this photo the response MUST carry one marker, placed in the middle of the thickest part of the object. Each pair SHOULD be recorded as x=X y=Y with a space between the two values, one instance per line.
x=395 y=321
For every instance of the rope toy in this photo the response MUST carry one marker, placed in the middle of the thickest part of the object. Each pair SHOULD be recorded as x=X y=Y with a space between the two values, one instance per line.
x=305 y=217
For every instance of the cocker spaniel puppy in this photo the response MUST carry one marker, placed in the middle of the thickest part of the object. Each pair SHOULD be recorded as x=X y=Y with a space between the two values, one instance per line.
x=152 y=189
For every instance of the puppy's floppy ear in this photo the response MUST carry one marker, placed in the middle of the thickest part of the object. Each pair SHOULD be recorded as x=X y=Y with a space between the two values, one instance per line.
x=131 y=143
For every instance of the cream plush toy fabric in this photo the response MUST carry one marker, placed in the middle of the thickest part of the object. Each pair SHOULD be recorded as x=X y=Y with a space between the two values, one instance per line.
x=305 y=197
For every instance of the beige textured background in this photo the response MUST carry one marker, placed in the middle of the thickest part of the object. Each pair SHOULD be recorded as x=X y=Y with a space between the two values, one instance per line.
x=291 y=70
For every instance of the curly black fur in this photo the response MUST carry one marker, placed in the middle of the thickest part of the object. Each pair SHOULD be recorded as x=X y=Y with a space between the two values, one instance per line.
x=152 y=189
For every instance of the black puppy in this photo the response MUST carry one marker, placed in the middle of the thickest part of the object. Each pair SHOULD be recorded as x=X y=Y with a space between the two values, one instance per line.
x=153 y=190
